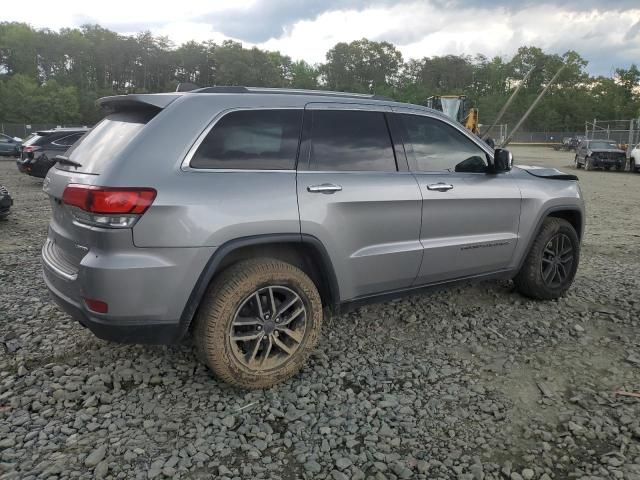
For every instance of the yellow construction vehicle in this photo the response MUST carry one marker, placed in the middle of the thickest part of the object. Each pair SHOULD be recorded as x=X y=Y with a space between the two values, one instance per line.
x=456 y=107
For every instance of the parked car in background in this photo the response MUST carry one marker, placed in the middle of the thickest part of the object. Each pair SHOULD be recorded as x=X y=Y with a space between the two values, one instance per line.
x=605 y=154
x=242 y=216
x=39 y=150
x=5 y=202
x=634 y=160
x=10 y=146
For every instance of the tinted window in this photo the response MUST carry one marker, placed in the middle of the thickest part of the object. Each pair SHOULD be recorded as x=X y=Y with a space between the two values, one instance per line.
x=33 y=138
x=68 y=140
x=436 y=146
x=252 y=139
x=350 y=140
x=104 y=142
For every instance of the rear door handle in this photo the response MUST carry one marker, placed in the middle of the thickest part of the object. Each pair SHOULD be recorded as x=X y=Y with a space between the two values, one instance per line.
x=440 y=187
x=324 y=188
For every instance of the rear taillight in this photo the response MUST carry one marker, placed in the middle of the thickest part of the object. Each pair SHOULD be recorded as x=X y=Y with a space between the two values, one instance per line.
x=30 y=149
x=106 y=206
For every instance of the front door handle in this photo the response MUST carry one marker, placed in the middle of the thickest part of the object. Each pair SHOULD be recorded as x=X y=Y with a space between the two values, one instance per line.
x=440 y=187
x=324 y=188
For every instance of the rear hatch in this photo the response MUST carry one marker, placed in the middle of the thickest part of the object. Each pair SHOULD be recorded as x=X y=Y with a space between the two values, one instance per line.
x=72 y=231
x=31 y=144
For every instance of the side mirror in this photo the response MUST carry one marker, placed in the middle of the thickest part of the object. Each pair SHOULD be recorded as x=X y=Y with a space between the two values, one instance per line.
x=502 y=160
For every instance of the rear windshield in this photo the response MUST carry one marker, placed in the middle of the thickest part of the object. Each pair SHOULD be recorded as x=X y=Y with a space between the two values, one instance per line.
x=602 y=145
x=31 y=139
x=104 y=142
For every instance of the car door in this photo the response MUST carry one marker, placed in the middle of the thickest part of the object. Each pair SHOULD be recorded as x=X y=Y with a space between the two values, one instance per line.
x=7 y=145
x=358 y=199
x=470 y=217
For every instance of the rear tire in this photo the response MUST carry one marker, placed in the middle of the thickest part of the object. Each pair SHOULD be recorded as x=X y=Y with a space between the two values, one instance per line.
x=239 y=304
x=551 y=264
x=577 y=162
x=632 y=165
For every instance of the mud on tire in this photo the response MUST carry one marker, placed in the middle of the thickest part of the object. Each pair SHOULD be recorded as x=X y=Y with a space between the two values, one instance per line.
x=235 y=306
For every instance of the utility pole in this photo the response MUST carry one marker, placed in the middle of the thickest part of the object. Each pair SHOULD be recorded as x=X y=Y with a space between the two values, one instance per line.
x=630 y=143
x=593 y=134
x=508 y=103
x=533 y=105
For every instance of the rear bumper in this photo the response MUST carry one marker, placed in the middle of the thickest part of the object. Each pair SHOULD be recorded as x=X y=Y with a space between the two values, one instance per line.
x=139 y=332
x=146 y=291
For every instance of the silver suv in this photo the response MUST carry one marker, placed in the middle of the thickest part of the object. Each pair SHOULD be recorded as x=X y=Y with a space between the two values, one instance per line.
x=241 y=216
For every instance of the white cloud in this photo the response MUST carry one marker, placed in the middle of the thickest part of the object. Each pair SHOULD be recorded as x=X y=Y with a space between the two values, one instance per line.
x=417 y=28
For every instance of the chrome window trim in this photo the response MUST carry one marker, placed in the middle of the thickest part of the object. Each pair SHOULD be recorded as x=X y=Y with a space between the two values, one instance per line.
x=185 y=165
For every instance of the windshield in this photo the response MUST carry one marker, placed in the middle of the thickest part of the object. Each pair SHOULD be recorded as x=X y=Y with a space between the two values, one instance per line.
x=602 y=145
x=104 y=142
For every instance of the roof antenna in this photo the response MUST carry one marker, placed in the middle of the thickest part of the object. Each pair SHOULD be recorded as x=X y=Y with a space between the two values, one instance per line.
x=186 y=87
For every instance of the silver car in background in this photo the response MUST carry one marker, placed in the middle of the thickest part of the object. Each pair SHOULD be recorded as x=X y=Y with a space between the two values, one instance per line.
x=242 y=216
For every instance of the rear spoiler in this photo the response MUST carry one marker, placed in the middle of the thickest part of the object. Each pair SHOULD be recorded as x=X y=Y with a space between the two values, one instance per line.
x=148 y=100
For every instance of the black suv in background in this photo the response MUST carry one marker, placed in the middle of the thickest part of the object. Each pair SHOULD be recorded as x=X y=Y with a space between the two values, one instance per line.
x=596 y=153
x=39 y=149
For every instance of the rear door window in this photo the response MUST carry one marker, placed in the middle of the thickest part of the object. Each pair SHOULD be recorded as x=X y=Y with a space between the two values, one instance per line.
x=251 y=140
x=351 y=140
x=104 y=142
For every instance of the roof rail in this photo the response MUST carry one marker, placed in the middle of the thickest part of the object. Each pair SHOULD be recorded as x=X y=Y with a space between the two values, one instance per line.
x=289 y=91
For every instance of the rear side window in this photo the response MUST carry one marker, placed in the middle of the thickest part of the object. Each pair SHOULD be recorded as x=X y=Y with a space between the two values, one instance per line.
x=104 y=142
x=351 y=140
x=68 y=140
x=251 y=139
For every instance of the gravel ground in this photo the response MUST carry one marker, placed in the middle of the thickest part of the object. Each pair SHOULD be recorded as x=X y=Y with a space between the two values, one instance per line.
x=474 y=383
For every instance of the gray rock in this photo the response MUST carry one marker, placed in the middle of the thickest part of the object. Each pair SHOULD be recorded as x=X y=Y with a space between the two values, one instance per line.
x=528 y=474
x=95 y=456
x=312 y=466
x=229 y=421
x=101 y=469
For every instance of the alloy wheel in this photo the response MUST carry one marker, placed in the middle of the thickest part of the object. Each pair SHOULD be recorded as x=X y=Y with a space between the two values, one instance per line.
x=268 y=328
x=557 y=260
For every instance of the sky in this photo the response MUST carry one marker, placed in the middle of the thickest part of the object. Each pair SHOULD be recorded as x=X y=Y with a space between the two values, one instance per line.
x=605 y=32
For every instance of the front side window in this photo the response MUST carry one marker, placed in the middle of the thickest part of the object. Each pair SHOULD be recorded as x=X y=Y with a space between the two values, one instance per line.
x=251 y=139
x=350 y=140
x=438 y=147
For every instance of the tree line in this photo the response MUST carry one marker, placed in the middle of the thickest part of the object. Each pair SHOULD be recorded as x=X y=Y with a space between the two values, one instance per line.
x=51 y=76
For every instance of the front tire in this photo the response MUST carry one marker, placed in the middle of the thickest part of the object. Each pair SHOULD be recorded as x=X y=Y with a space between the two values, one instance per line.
x=632 y=165
x=551 y=264
x=577 y=162
x=588 y=164
x=259 y=321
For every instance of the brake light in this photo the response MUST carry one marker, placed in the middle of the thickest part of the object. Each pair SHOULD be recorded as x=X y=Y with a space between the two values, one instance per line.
x=107 y=206
x=30 y=149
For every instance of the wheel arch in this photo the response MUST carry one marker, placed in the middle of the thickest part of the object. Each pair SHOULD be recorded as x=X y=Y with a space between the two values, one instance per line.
x=571 y=213
x=304 y=251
